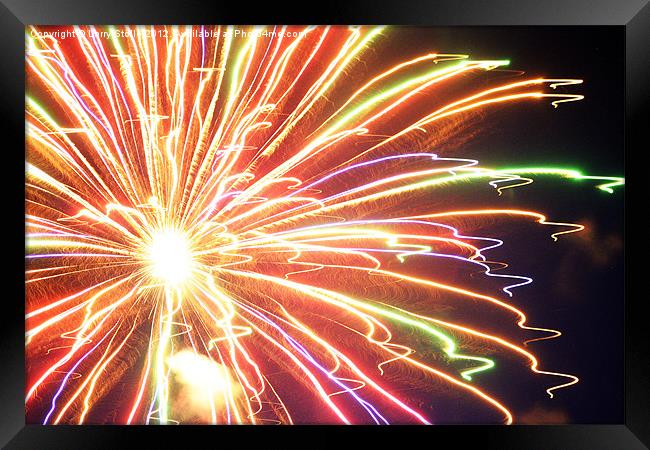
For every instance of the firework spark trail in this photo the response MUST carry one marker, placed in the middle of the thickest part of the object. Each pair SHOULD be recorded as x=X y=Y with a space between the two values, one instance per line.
x=230 y=229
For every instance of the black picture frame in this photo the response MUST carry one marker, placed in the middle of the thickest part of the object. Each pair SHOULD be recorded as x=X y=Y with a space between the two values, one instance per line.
x=633 y=15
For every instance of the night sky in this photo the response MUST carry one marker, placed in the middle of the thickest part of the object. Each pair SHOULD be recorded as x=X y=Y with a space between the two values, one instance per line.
x=578 y=285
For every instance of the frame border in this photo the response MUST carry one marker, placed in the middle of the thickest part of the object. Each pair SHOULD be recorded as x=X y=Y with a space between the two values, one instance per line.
x=634 y=15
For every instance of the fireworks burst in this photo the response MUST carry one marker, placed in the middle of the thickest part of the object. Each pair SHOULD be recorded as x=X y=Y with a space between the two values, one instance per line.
x=232 y=227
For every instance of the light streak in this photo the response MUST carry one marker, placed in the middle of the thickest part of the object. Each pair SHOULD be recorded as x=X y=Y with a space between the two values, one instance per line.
x=225 y=230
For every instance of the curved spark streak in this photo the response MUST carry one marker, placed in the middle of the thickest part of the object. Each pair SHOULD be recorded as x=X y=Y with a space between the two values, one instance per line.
x=329 y=276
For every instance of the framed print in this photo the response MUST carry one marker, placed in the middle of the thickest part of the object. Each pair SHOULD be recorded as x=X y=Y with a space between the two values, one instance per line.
x=272 y=223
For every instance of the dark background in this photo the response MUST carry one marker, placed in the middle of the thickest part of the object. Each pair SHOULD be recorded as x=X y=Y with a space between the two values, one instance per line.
x=578 y=285
x=587 y=134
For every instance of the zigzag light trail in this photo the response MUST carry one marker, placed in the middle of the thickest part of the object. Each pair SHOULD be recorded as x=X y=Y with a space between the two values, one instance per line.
x=254 y=229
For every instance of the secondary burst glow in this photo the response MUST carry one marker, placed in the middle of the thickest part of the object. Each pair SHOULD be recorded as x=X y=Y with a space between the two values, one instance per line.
x=272 y=229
